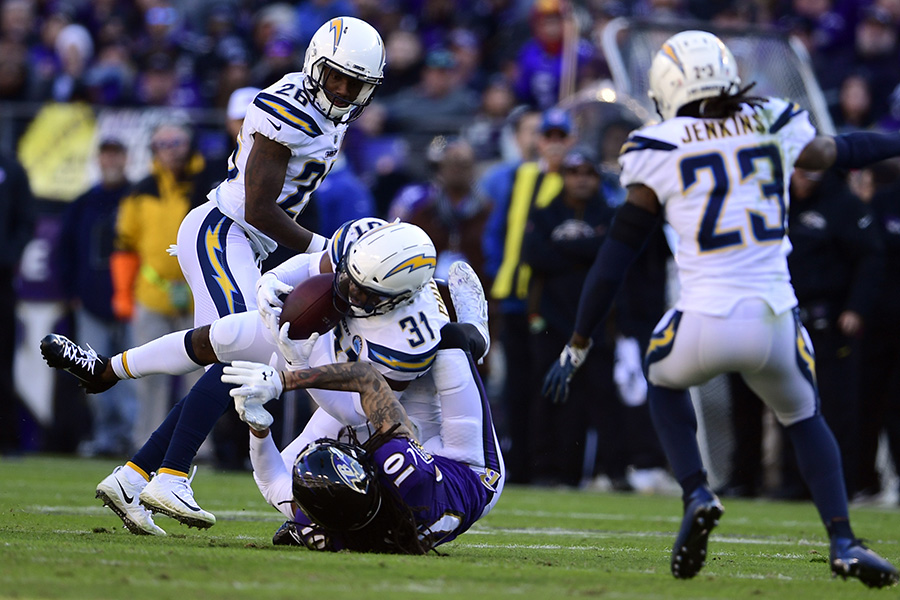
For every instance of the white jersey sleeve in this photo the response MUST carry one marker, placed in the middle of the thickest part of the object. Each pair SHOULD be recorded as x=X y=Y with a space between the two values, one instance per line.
x=724 y=185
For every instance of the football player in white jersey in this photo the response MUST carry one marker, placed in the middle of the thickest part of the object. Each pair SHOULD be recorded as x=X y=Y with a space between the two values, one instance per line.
x=290 y=136
x=330 y=512
x=717 y=170
x=394 y=327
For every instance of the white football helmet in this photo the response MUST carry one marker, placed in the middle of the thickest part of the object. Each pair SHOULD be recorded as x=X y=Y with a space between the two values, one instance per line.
x=384 y=268
x=690 y=66
x=348 y=233
x=352 y=47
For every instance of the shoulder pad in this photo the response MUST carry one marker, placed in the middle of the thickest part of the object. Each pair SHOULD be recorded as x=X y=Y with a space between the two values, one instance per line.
x=282 y=111
x=638 y=141
x=781 y=112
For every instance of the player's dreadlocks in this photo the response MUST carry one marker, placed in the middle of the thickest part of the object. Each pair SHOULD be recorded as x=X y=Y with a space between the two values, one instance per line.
x=722 y=106
x=393 y=530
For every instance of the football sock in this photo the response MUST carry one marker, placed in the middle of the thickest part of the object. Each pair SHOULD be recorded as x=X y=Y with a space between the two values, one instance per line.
x=676 y=425
x=204 y=404
x=819 y=461
x=170 y=354
x=134 y=473
x=150 y=455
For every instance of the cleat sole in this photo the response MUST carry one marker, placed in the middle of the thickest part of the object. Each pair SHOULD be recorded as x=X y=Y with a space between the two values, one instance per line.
x=129 y=524
x=184 y=520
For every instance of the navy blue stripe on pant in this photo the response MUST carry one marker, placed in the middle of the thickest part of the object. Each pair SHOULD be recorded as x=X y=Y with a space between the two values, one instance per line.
x=213 y=259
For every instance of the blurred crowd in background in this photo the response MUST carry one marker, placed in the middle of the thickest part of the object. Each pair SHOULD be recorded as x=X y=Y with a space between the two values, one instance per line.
x=468 y=98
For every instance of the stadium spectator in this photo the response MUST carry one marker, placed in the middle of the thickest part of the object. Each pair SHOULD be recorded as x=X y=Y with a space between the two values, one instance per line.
x=17 y=219
x=854 y=109
x=873 y=57
x=879 y=393
x=541 y=60
x=83 y=258
x=437 y=105
x=405 y=57
x=447 y=207
x=560 y=244
x=484 y=131
x=836 y=267
x=74 y=50
x=278 y=59
x=149 y=289
x=515 y=192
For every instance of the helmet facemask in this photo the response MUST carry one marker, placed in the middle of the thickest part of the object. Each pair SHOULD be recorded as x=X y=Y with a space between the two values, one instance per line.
x=360 y=301
x=332 y=105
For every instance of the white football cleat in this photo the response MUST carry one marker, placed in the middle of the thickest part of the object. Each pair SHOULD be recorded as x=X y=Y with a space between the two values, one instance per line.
x=172 y=496
x=468 y=299
x=120 y=492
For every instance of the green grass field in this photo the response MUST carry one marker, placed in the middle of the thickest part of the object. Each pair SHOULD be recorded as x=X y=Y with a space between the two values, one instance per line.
x=57 y=541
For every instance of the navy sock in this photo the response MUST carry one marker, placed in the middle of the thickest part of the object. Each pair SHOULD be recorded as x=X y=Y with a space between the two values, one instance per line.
x=676 y=426
x=151 y=454
x=819 y=460
x=204 y=404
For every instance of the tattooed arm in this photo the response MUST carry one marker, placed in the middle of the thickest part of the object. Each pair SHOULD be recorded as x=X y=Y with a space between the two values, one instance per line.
x=378 y=401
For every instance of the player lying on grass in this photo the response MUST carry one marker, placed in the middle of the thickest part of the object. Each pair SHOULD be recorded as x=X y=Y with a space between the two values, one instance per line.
x=389 y=493
x=392 y=324
x=719 y=163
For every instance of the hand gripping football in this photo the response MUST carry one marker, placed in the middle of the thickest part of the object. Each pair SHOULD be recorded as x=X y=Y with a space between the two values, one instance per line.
x=310 y=308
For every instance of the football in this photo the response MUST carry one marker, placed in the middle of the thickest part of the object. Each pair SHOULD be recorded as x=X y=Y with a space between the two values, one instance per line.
x=310 y=307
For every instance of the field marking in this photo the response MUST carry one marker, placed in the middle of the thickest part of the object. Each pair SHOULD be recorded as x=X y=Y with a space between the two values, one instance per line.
x=481 y=529
x=228 y=515
x=727 y=539
x=649 y=518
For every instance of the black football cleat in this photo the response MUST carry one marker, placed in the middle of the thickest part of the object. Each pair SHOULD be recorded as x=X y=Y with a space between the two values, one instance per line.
x=287 y=535
x=701 y=514
x=85 y=364
x=851 y=558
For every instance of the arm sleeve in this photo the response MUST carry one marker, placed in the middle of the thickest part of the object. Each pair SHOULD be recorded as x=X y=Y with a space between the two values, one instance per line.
x=296 y=269
x=272 y=478
x=462 y=414
x=628 y=234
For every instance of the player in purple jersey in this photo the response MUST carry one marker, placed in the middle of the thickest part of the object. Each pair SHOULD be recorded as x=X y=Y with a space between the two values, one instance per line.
x=388 y=494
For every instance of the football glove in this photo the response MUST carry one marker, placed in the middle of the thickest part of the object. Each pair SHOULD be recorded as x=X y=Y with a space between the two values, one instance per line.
x=269 y=290
x=295 y=352
x=556 y=382
x=258 y=383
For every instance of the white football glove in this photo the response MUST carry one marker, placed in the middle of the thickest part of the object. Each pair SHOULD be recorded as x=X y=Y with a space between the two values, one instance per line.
x=258 y=383
x=268 y=291
x=295 y=352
